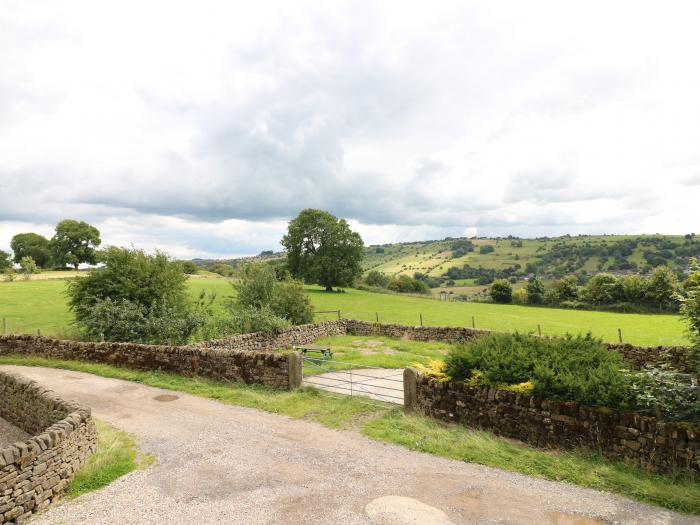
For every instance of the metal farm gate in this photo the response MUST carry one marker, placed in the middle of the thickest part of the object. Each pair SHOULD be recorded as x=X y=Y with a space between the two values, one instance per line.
x=381 y=384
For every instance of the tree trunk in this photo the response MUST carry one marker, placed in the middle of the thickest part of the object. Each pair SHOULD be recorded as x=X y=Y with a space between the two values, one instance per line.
x=329 y=288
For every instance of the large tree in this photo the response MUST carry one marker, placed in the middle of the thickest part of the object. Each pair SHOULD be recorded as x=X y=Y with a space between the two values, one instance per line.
x=32 y=245
x=74 y=242
x=323 y=249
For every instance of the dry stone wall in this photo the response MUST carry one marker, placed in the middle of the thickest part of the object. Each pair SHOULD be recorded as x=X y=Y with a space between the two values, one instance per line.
x=646 y=441
x=36 y=472
x=265 y=368
x=248 y=357
x=296 y=335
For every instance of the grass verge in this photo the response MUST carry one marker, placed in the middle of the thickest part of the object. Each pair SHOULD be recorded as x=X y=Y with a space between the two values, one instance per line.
x=387 y=423
x=116 y=455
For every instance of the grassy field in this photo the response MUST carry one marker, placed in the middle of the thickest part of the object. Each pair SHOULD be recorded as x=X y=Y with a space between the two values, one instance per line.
x=389 y=424
x=381 y=352
x=29 y=306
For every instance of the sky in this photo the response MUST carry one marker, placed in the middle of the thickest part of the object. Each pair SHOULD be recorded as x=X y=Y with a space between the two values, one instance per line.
x=201 y=128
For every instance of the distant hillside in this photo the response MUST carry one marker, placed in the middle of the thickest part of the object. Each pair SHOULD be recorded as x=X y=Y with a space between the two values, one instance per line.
x=475 y=261
x=478 y=259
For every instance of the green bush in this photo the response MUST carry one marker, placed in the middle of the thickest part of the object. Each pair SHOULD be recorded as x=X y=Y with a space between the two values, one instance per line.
x=577 y=368
x=135 y=297
x=378 y=279
x=126 y=321
x=259 y=288
x=535 y=291
x=405 y=284
x=290 y=302
x=133 y=275
x=245 y=321
x=501 y=291
x=666 y=393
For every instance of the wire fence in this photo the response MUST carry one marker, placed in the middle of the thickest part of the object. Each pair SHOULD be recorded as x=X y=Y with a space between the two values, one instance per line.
x=378 y=318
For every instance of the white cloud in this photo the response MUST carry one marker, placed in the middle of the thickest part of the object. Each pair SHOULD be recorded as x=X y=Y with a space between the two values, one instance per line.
x=201 y=127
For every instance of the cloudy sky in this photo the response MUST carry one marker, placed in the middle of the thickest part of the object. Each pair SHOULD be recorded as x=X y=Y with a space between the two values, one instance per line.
x=202 y=127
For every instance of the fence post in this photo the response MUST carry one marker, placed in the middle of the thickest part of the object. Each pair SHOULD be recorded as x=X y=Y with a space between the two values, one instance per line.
x=338 y=315
x=38 y=332
x=539 y=329
x=473 y=322
x=619 y=334
x=421 y=319
x=376 y=314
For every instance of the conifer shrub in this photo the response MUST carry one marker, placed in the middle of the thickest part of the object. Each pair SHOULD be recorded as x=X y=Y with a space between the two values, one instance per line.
x=574 y=368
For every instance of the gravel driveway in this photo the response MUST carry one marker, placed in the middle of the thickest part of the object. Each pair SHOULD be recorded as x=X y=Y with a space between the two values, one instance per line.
x=230 y=465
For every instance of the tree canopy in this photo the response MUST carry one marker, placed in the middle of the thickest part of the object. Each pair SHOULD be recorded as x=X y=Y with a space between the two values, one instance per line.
x=322 y=248
x=75 y=242
x=32 y=245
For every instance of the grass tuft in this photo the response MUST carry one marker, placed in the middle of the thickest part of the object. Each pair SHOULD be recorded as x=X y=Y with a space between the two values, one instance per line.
x=117 y=454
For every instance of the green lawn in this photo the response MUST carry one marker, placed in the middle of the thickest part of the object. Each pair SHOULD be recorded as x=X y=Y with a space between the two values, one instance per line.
x=381 y=352
x=32 y=305
x=387 y=423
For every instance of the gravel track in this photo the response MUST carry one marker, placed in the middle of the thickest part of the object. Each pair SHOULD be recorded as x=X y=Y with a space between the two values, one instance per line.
x=225 y=464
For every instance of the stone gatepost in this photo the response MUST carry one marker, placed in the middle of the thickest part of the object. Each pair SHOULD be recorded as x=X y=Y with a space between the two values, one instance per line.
x=294 y=364
x=409 y=389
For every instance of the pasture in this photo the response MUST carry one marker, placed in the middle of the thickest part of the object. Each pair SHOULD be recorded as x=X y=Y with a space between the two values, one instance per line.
x=35 y=305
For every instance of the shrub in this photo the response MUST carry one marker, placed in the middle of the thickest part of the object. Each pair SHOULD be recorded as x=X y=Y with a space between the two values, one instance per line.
x=535 y=291
x=376 y=278
x=9 y=273
x=145 y=280
x=290 y=302
x=603 y=288
x=690 y=311
x=152 y=285
x=573 y=368
x=256 y=286
x=225 y=270
x=663 y=392
x=501 y=291
x=486 y=248
x=259 y=288
x=28 y=266
x=189 y=267
x=124 y=320
x=405 y=284
x=564 y=289
x=661 y=287
x=248 y=320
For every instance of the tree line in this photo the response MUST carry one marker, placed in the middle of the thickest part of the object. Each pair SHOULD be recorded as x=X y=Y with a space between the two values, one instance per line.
x=73 y=243
x=660 y=291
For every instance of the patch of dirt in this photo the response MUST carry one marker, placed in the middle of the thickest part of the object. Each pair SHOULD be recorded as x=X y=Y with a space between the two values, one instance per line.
x=164 y=398
x=367 y=351
x=372 y=342
x=443 y=351
x=390 y=351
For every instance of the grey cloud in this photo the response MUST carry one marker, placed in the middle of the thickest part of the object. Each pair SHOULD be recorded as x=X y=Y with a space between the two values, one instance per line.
x=553 y=186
